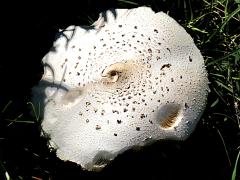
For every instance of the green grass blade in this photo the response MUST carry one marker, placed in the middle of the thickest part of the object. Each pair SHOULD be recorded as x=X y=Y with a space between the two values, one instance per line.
x=224 y=86
x=36 y=114
x=214 y=103
x=225 y=116
x=19 y=121
x=236 y=78
x=235 y=52
x=220 y=95
x=7 y=105
x=4 y=169
x=234 y=173
x=217 y=75
x=238 y=98
x=225 y=147
x=230 y=16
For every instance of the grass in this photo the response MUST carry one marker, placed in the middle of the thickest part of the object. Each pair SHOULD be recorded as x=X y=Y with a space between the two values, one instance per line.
x=234 y=174
x=214 y=26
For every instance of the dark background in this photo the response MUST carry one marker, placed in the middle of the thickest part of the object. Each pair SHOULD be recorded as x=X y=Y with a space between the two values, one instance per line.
x=27 y=35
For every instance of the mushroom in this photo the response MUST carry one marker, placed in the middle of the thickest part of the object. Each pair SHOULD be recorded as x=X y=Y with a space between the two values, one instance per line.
x=136 y=78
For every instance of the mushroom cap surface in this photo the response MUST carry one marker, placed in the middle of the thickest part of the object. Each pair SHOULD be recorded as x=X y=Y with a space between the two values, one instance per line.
x=135 y=78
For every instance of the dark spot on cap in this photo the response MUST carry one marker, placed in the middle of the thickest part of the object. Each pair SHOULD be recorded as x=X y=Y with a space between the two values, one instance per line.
x=88 y=103
x=119 y=121
x=169 y=50
x=135 y=27
x=120 y=25
x=76 y=65
x=155 y=30
x=98 y=127
x=115 y=111
x=190 y=59
x=142 y=116
x=165 y=66
x=115 y=134
x=138 y=128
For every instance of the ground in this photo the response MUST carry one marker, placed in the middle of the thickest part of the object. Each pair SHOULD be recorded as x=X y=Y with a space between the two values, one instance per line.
x=210 y=153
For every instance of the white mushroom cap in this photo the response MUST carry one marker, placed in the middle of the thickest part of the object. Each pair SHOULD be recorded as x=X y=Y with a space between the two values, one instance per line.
x=134 y=79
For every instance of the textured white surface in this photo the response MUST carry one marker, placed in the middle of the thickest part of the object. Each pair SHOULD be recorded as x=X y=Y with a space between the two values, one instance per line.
x=134 y=79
